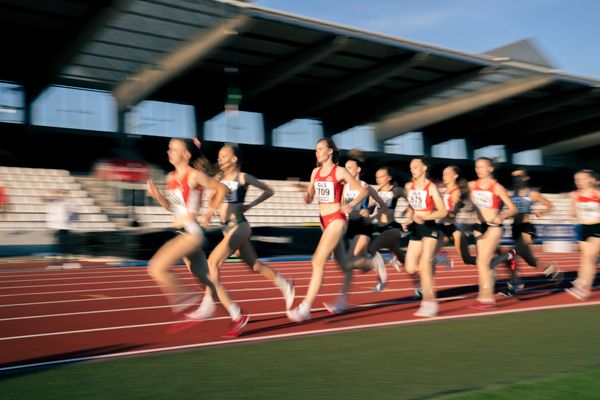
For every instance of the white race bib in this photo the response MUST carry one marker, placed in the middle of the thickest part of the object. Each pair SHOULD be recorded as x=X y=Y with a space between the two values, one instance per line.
x=324 y=191
x=386 y=197
x=482 y=199
x=232 y=187
x=588 y=210
x=447 y=201
x=349 y=196
x=417 y=199
x=176 y=201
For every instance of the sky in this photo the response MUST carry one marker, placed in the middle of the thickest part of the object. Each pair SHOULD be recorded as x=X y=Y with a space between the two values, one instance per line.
x=567 y=31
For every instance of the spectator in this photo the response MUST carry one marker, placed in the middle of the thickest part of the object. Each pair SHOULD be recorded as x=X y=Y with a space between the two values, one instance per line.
x=59 y=217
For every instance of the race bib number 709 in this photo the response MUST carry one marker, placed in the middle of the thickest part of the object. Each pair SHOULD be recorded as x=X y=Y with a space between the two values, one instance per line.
x=324 y=191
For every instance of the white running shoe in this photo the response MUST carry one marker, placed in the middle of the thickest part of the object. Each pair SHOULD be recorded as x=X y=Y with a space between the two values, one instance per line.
x=578 y=291
x=379 y=265
x=185 y=302
x=428 y=309
x=300 y=313
x=339 y=307
x=396 y=263
x=289 y=293
x=204 y=311
x=378 y=287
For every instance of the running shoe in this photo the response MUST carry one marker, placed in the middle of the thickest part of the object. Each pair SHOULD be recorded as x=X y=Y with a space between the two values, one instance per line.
x=484 y=305
x=300 y=313
x=379 y=265
x=378 y=287
x=427 y=309
x=204 y=311
x=578 y=291
x=514 y=286
x=554 y=274
x=396 y=264
x=236 y=327
x=182 y=324
x=185 y=302
x=289 y=293
x=339 y=307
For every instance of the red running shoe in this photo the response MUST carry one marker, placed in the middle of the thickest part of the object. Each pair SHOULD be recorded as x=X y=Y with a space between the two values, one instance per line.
x=236 y=327
x=484 y=305
x=184 y=323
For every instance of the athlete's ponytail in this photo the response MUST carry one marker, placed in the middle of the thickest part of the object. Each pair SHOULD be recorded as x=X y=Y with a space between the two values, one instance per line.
x=197 y=159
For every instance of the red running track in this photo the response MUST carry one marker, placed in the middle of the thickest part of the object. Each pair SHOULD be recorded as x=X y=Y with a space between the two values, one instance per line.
x=55 y=316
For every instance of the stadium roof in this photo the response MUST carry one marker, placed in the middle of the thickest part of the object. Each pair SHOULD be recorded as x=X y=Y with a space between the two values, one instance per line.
x=287 y=66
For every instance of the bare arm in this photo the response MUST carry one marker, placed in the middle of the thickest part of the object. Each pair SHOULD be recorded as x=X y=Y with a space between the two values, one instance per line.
x=440 y=209
x=458 y=204
x=267 y=191
x=155 y=193
x=408 y=214
x=375 y=196
x=220 y=190
x=538 y=197
x=573 y=196
x=310 y=190
x=510 y=210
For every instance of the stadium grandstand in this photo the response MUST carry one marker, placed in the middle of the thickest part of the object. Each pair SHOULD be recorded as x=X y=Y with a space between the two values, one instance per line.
x=123 y=76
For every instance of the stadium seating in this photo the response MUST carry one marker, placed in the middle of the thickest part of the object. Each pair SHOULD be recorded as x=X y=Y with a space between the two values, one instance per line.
x=26 y=210
x=99 y=206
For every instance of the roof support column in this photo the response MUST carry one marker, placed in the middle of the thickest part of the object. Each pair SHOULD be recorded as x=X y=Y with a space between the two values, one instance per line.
x=268 y=127
x=470 y=149
x=151 y=78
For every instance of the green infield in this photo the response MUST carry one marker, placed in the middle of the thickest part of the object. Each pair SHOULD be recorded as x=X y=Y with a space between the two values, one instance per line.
x=490 y=357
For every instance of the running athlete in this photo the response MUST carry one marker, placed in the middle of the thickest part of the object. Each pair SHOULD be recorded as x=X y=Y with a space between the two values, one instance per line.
x=426 y=206
x=586 y=208
x=359 y=232
x=450 y=230
x=326 y=182
x=387 y=231
x=523 y=231
x=488 y=196
x=182 y=198
x=236 y=235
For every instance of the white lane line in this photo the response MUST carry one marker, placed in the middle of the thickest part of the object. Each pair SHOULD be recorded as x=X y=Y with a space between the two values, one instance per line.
x=186 y=275
x=269 y=299
x=358 y=280
x=228 y=267
x=141 y=268
x=295 y=334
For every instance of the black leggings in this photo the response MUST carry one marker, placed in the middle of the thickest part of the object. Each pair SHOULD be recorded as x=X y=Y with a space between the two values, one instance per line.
x=524 y=251
x=199 y=268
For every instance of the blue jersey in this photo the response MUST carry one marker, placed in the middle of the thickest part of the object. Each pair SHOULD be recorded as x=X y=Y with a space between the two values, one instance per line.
x=522 y=203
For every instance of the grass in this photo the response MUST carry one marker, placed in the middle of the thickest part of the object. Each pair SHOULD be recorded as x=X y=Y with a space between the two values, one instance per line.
x=581 y=386
x=502 y=356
